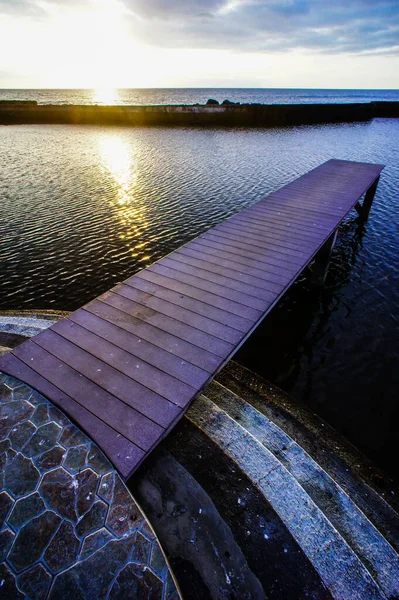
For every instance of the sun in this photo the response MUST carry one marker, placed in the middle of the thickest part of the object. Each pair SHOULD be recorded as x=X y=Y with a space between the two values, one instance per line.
x=95 y=48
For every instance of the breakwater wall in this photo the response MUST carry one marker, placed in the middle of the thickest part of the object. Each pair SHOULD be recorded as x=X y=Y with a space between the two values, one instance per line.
x=230 y=115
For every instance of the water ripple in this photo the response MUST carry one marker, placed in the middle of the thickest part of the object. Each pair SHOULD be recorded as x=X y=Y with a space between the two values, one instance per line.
x=82 y=208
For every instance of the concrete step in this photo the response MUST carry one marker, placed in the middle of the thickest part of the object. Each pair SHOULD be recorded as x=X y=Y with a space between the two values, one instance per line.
x=351 y=557
x=357 y=476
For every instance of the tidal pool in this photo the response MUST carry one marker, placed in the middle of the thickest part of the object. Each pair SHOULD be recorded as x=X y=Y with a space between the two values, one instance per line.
x=81 y=208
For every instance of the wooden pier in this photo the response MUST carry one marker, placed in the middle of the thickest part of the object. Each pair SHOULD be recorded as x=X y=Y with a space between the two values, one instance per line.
x=127 y=365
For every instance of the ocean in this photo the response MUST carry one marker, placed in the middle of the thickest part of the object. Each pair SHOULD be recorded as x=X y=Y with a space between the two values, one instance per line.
x=199 y=95
x=84 y=207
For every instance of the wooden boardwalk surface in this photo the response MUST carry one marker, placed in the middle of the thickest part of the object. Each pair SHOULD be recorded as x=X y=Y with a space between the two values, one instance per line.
x=126 y=366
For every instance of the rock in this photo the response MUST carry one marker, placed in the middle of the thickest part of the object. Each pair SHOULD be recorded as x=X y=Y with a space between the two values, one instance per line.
x=226 y=102
x=212 y=102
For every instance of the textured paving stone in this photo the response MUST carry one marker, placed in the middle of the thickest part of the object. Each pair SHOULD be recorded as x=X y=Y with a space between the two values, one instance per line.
x=63 y=548
x=21 y=433
x=50 y=459
x=13 y=413
x=35 y=582
x=44 y=439
x=72 y=436
x=171 y=592
x=41 y=414
x=21 y=476
x=93 y=519
x=123 y=514
x=141 y=549
x=54 y=539
x=58 y=489
x=25 y=509
x=87 y=482
x=106 y=488
x=75 y=458
x=6 y=538
x=21 y=392
x=133 y=583
x=32 y=540
x=8 y=589
x=96 y=573
x=95 y=541
x=158 y=563
x=97 y=461
x=5 y=504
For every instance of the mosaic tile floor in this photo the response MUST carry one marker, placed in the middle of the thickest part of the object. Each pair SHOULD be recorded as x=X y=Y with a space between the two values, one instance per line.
x=68 y=525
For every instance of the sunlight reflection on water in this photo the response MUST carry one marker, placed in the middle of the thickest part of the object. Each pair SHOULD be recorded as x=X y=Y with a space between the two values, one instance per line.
x=83 y=208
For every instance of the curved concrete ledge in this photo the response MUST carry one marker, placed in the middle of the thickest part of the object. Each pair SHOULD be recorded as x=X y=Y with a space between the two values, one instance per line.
x=68 y=525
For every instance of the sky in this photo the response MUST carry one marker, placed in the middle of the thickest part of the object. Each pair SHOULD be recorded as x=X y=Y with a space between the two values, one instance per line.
x=105 y=44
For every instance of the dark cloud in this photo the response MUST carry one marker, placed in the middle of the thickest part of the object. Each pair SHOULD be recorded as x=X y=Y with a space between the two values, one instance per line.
x=270 y=25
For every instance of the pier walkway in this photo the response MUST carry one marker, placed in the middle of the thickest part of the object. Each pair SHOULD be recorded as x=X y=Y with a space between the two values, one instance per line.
x=127 y=365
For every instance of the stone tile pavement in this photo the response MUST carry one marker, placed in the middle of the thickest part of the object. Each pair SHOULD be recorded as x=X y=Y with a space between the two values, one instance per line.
x=68 y=525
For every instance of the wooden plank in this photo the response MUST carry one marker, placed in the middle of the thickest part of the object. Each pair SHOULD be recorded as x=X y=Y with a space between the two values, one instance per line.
x=234 y=266
x=115 y=446
x=153 y=378
x=169 y=325
x=210 y=312
x=192 y=319
x=189 y=352
x=269 y=257
x=285 y=240
x=124 y=419
x=131 y=392
x=127 y=365
x=289 y=229
x=254 y=267
x=153 y=355
x=236 y=303
x=245 y=250
x=231 y=280
x=282 y=248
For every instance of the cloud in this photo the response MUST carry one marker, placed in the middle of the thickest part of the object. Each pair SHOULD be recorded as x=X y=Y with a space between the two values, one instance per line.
x=324 y=26
x=269 y=25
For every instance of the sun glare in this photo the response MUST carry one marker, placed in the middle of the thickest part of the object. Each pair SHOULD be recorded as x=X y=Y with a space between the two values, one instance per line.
x=127 y=203
x=106 y=95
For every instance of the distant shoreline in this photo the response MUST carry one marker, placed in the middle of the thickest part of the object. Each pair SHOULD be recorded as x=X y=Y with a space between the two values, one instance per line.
x=196 y=115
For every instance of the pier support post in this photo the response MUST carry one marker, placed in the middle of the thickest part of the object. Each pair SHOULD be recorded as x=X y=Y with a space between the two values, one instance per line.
x=364 y=208
x=319 y=268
